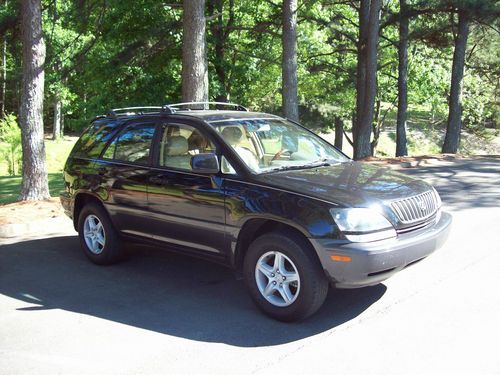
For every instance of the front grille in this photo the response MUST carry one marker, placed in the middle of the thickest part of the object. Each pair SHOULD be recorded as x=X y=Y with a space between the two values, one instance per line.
x=416 y=208
x=420 y=225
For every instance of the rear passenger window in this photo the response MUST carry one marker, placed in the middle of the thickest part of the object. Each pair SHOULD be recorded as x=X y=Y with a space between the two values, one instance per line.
x=179 y=143
x=94 y=139
x=133 y=145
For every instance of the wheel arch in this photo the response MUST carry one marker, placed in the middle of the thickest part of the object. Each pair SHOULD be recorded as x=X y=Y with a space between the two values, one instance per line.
x=81 y=199
x=256 y=227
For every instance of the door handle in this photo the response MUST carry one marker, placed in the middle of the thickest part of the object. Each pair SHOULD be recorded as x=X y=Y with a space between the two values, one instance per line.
x=159 y=180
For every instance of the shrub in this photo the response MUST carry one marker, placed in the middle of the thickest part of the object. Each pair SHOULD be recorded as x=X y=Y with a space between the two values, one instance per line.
x=10 y=143
x=476 y=108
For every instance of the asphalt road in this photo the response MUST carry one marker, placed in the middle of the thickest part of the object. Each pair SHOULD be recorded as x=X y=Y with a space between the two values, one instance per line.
x=163 y=313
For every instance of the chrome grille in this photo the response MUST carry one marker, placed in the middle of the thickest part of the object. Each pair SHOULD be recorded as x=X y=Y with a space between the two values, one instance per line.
x=416 y=208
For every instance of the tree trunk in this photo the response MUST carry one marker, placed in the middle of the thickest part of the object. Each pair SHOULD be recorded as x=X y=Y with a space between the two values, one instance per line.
x=34 y=182
x=362 y=146
x=4 y=74
x=452 y=138
x=289 y=60
x=364 y=11
x=401 y=149
x=220 y=33
x=84 y=102
x=62 y=125
x=4 y=69
x=376 y=127
x=56 y=130
x=339 y=132
x=194 y=56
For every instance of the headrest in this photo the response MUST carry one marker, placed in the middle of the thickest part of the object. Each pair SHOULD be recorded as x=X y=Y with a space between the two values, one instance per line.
x=197 y=141
x=174 y=130
x=232 y=134
x=176 y=146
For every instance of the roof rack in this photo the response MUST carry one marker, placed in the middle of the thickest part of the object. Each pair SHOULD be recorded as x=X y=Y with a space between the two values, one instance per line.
x=204 y=105
x=171 y=108
x=127 y=111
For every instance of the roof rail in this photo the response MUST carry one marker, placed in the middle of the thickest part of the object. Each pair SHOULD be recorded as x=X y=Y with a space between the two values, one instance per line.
x=171 y=108
x=205 y=105
x=127 y=111
x=97 y=118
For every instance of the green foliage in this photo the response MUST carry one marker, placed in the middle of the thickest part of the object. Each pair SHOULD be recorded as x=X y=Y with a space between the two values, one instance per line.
x=475 y=108
x=429 y=78
x=108 y=54
x=10 y=143
x=480 y=94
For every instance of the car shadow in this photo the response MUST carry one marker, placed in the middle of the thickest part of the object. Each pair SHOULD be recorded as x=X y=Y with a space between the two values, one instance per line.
x=159 y=291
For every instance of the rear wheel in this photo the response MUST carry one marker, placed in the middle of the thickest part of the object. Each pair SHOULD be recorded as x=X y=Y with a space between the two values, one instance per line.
x=98 y=238
x=284 y=276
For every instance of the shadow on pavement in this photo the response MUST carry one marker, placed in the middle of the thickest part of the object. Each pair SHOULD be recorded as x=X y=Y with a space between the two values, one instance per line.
x=159 y=291
x=465 y=183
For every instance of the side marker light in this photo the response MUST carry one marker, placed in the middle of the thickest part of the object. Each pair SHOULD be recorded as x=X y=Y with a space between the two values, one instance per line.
x=340 y=258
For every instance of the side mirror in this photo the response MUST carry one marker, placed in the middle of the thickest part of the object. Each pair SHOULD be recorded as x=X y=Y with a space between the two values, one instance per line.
x=205 y=163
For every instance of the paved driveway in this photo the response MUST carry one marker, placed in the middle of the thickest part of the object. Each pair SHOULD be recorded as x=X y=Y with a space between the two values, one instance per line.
x=165 y=313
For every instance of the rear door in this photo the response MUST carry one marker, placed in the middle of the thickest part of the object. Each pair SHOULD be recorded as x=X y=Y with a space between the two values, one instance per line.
x=186 y=208
x=124 y=171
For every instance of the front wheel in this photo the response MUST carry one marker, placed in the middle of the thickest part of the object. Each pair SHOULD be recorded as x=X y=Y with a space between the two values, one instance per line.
x=98 y=238
x=284 y=276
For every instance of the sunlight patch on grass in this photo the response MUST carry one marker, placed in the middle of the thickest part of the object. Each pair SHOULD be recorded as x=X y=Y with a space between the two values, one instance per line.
x=57 y=153
x=10 y=187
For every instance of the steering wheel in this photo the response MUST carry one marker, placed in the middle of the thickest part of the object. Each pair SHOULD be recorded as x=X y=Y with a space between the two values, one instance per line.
x=279 y=153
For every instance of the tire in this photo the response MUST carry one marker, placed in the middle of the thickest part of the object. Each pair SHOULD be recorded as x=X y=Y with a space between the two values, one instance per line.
x=296 y=292
x=98 y=238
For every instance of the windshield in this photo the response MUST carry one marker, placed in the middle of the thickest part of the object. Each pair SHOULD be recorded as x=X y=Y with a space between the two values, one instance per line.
x=267 y=145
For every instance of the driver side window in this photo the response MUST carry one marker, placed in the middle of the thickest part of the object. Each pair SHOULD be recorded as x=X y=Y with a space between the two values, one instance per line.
x=179 y=143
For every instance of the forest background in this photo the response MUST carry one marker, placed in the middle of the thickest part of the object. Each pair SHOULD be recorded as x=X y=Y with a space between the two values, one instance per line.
x=383 y=77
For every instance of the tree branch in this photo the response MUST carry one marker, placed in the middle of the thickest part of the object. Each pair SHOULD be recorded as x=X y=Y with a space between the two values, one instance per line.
x=347 y=137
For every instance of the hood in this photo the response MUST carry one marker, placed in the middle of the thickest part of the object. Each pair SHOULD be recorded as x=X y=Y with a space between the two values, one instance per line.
x=349 y=184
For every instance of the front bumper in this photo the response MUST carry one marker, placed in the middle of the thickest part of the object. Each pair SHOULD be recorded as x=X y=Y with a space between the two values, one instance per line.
x=373 y=262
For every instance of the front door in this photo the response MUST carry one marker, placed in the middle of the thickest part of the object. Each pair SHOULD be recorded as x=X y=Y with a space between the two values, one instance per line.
x=186 y=208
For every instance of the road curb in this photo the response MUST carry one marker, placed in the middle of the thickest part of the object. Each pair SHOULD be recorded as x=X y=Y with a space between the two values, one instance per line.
x=36 y=226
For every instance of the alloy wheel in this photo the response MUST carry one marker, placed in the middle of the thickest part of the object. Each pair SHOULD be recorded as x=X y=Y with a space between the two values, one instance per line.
x=277 y=278
x=94 y=235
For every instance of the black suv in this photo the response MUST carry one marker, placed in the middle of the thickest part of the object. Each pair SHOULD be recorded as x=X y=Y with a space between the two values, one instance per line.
x=254 y=191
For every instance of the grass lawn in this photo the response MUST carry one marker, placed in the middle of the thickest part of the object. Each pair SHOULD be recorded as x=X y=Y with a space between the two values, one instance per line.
x=10 y=187
x=57 y=152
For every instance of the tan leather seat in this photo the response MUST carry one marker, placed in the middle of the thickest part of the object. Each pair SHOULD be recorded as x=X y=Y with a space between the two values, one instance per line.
x=233 y=135
x=176 y=153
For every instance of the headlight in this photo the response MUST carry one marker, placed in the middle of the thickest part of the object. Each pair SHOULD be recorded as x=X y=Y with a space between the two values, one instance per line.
x=438 y=198
x=362 y=224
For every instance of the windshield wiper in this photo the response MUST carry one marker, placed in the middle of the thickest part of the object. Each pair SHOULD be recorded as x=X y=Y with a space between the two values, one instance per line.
x=314 y=164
